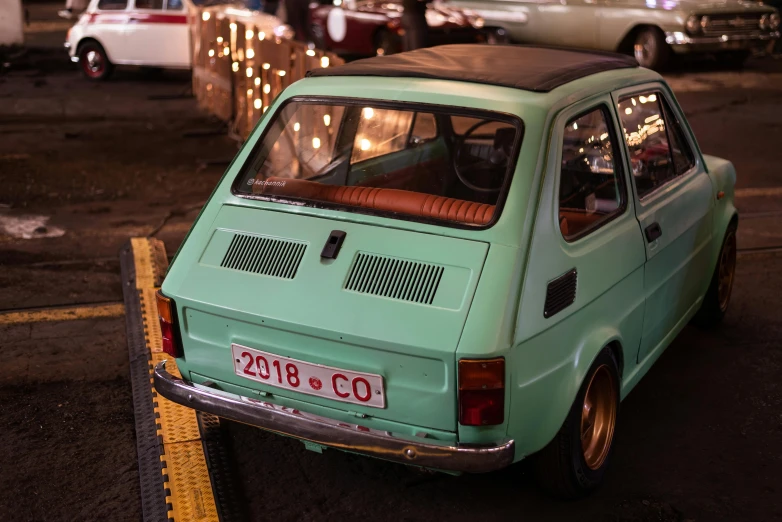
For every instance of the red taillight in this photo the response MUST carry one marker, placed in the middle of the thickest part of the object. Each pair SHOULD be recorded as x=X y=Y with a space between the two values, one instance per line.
x=481 y=392
x=166 y=314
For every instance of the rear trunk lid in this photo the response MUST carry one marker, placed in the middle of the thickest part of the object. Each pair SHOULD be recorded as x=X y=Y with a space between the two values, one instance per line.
x=393 y=303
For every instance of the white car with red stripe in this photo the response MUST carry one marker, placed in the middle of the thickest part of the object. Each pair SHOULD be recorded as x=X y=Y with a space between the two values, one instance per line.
x=153 y=33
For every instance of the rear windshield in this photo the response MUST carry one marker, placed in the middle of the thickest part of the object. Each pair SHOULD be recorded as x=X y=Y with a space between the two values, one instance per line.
x=407 y=161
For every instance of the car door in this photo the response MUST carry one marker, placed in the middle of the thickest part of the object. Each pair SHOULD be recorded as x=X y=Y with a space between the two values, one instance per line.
x=571 y=23
x=157 y=34
x=106 y=24
x=674 y=205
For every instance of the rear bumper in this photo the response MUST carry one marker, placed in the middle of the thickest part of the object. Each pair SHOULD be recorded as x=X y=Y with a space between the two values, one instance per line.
x=683 y=43
x=326 y=432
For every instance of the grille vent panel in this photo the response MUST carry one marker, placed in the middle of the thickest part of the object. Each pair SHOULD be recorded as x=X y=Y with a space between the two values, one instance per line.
x=395 y=278
x=561 y=293
x=264 y=255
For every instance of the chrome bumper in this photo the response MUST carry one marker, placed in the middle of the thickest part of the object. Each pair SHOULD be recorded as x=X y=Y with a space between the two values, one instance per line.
x=683 y=43
x=74 y=58
x=317 y=430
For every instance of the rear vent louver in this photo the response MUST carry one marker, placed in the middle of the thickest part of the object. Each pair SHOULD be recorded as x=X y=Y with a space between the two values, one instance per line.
x=394 y=278
x=264 y=255
x=561 y=293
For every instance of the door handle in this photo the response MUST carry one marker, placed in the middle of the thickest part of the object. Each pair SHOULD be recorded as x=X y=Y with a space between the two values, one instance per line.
x=652 y=232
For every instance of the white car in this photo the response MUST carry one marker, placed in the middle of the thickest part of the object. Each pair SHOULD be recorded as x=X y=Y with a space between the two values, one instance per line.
x=153 y=33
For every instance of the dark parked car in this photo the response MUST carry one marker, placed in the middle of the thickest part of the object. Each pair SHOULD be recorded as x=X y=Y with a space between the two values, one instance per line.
x=368 y=28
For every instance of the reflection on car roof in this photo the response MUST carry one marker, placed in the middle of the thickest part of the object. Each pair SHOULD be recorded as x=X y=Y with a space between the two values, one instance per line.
x=539 y=69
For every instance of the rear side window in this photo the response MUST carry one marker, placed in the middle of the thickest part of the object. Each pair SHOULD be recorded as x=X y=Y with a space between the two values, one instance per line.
x=591 y=190
x=658 y=150
x=112 y=5
x=400 y=160
x=149 y=4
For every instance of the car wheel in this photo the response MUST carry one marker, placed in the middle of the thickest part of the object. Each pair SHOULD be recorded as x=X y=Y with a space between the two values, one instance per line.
x=387 y=43
x=717 y=298
x=733 y=60
x=574 y=463
x=650 y=49
x=94 y=62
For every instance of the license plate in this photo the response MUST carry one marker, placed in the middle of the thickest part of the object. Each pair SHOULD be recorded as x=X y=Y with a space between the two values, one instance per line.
x=313 y=379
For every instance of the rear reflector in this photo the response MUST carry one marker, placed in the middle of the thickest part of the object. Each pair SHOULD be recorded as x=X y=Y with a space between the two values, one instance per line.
x=481 y=392
x=166 y=314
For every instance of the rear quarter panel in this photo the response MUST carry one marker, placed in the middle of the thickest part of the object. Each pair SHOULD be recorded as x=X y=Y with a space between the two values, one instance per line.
x=723 y=175
x=550 y=357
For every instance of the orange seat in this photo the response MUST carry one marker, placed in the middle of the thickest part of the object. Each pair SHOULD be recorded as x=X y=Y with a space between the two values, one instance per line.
x=390 y=200
x=572 y=221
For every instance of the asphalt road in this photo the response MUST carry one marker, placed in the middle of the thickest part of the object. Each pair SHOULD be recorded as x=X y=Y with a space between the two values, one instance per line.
x=85 y=166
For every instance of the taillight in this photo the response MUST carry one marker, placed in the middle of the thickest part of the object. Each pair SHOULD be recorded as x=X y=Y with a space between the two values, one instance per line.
x=481 y=392
x=167 y=314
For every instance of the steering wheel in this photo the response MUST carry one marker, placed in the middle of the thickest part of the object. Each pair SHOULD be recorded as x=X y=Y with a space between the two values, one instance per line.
x=481 y=166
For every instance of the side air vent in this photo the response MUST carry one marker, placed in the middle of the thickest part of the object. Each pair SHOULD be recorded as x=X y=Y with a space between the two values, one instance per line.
x=394 y=278
x=264 y=255
x=561 y=293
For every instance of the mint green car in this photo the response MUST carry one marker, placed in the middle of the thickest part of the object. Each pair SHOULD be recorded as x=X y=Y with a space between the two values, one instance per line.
x=454 y=258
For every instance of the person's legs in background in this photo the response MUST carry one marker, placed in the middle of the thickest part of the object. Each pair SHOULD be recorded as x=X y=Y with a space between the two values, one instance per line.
x=414 y=22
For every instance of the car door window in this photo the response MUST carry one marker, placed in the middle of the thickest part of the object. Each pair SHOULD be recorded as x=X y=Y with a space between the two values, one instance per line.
x=658 y=151
x=683 y=159
x=149 y=4
x=174 y=5
x=112 y=5
x=591 y=190
x=424 y=128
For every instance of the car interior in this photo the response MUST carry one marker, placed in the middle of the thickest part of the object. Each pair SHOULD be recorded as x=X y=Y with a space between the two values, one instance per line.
x=421 y=164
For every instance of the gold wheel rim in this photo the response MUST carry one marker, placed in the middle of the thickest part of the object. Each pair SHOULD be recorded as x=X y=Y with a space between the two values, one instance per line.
x=598 y=417
x=726 y=270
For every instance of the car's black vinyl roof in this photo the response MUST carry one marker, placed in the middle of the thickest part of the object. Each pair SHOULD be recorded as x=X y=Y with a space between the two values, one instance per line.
x=539 y=69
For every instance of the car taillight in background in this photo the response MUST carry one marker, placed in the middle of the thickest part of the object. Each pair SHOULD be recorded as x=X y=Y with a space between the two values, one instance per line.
x=167 y=314
x=481 y=392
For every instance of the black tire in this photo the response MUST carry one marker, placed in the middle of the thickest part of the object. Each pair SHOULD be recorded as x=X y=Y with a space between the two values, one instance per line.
x=733 y=59
x=650 y=49
x=717 y=298
x=387 y=43
x=94 y=62
x=561 y=467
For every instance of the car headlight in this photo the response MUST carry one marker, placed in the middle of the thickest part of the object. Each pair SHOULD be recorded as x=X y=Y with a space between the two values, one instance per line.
x=764 y=23
x=773 y=21
x=693 y=24
x=478 y=22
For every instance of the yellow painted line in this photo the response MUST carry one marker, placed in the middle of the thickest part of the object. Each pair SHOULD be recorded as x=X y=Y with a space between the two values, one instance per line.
x=189 y=488
x=72 y=313
x=758 y=192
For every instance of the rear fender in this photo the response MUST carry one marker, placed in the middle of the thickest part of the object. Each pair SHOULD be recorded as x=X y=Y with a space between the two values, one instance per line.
x=542 y=397
x=89 y=38
x=723 y=175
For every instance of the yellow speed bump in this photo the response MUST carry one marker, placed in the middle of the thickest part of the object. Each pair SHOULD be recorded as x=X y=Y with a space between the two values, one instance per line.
x=185 y=475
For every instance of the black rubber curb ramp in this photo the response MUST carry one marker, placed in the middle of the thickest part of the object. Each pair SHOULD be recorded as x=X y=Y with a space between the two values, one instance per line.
x=184 y=463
